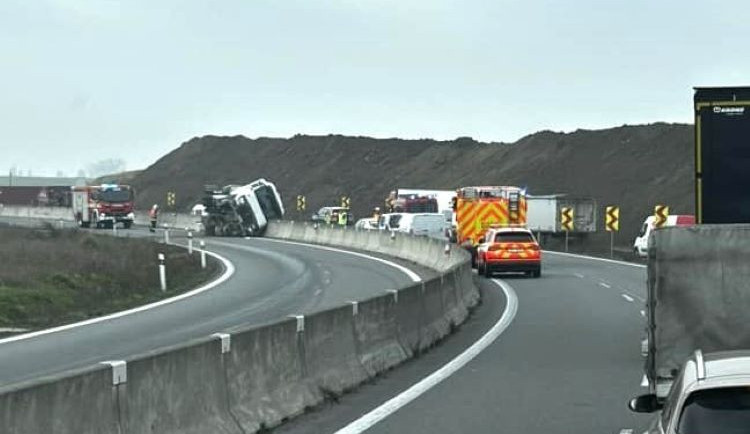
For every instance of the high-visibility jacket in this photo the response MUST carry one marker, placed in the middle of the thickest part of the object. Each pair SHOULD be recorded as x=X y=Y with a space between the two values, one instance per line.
x=342 y=219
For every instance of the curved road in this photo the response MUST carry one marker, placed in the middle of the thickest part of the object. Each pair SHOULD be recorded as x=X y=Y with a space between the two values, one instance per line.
x=271 y=280
x=568 y=362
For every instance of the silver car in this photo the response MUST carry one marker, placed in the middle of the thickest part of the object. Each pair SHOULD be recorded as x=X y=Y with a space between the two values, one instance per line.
x=710 y=395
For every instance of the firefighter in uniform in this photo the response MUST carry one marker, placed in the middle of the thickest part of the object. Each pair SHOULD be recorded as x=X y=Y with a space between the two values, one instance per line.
x=153 y=215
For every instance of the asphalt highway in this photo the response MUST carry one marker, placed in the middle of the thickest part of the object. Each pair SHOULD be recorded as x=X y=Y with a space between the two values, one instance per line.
x=568 y=362
x=271 y=280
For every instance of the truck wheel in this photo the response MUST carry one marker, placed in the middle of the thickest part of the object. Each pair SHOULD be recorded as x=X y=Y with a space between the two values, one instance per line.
x=537 y=272
x=127 y=225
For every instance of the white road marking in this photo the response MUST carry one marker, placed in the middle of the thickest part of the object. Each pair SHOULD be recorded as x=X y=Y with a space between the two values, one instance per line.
x=644 y=381
x=228 y=272
x=389 y=407
x=605 y=285
x=627 y=297
x=643 y=313
x=626 y=431
x=578 y=275
x=12 y=330
x=611 y=261
x=412 y=275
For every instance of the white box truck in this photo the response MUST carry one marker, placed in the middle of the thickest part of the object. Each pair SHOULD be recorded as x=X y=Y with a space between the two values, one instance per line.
x=543 y=213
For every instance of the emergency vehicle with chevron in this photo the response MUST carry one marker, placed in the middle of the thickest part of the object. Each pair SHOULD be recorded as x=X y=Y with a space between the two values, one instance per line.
x=490 y=223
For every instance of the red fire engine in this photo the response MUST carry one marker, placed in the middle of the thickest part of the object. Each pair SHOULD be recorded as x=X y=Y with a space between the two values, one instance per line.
x=103 y=206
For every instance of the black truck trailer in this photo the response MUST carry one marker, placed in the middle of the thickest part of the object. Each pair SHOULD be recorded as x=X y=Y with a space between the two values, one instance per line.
x=722 y=154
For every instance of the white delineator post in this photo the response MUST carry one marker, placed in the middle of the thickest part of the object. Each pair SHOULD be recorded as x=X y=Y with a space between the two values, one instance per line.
x=166 y=233
x=203 y=254
x=162 y=272
x=190 y=243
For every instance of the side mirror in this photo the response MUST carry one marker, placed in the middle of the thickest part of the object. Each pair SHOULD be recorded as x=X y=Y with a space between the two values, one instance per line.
x=645 y=404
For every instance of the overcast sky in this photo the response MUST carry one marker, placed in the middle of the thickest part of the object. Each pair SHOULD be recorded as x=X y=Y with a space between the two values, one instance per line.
x=83 y=80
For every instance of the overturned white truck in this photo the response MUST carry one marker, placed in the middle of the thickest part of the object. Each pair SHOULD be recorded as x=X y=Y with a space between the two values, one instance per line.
x=241 y=210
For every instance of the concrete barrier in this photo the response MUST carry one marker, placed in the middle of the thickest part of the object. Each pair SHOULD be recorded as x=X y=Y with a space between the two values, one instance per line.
x=376 y=333
x=421 y=250
x=75 y=403
x=266 y=377
x=257 y=377
x=178 y=391
x=435 y=325
x=410 y=317
x=330 y=353
x=37 y=212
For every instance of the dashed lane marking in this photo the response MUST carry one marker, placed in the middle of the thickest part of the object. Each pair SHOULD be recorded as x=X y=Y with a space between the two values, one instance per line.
x=627 y=297
x=592 y=258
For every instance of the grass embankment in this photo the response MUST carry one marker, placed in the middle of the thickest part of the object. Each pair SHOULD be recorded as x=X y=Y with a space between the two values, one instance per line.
x=51 y=277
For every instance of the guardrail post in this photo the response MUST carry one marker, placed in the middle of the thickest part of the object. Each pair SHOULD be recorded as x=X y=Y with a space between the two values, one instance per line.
x=203 y=254
x=162 y=272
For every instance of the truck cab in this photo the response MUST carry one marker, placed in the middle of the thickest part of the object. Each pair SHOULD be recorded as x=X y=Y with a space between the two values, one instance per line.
x=711 y=394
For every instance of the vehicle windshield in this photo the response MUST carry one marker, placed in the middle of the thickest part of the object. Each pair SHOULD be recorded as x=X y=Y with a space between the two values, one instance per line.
x=121 y=195
x=723 y=410
x=514 y=237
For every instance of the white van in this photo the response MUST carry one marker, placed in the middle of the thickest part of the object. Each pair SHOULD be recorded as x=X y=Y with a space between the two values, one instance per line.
x=421 y=224
x=640 y=246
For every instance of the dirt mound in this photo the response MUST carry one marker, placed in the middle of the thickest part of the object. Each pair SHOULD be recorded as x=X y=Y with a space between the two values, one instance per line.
x=634 y=167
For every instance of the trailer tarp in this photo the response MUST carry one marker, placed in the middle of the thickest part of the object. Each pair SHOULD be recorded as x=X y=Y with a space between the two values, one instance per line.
x=698 y=293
